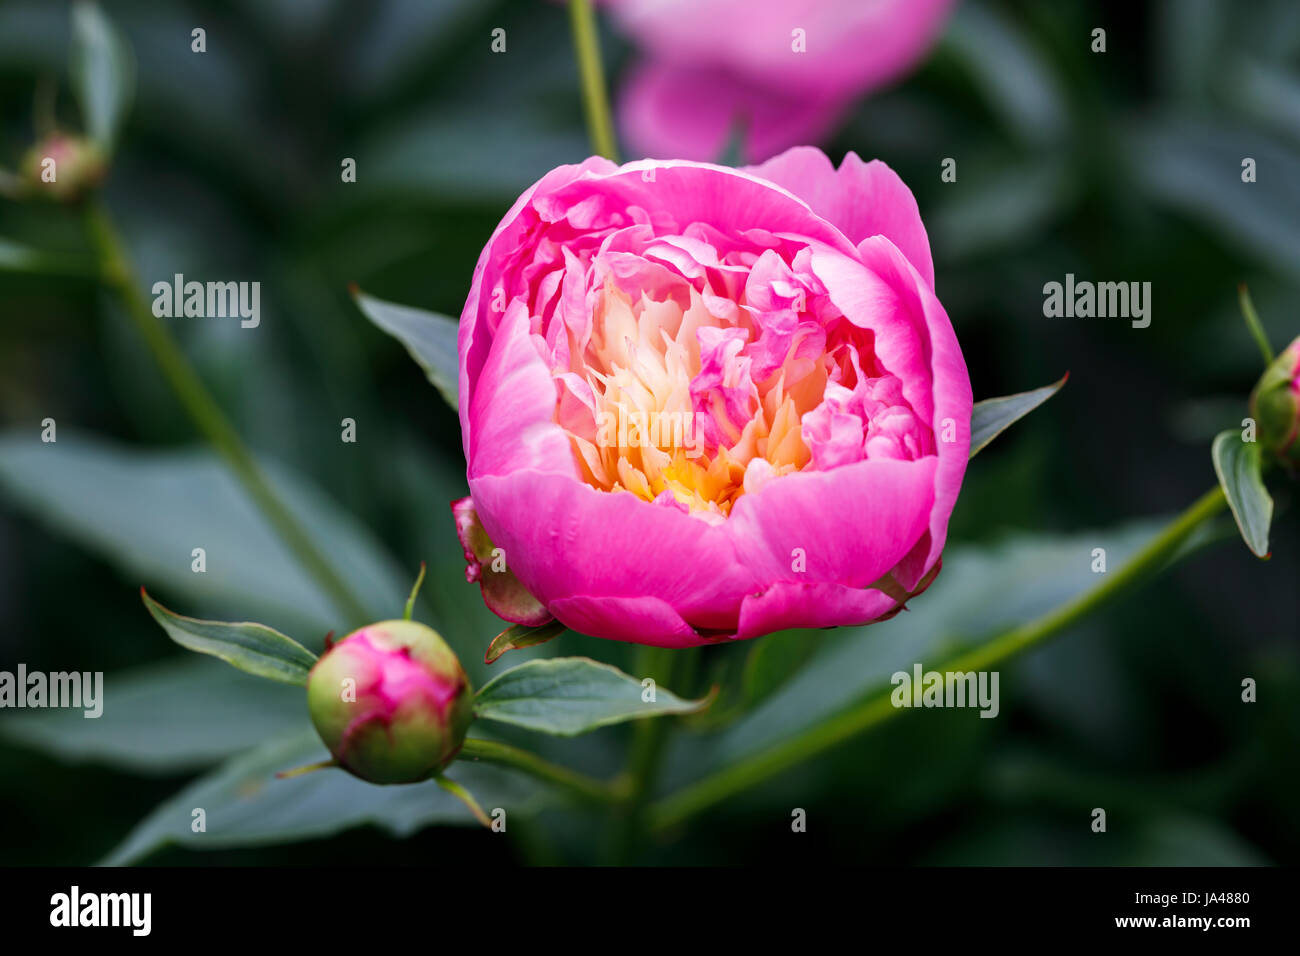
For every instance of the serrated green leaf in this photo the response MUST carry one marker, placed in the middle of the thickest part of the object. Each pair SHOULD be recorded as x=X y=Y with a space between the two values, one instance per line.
x=1237 y=463
x=253 y=648
x=991 y=417
x=103 y=72
x=572 y=695
x=429 y=337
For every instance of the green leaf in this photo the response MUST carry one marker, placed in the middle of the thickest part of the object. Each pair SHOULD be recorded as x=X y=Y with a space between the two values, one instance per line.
x=429 y=337
x=253 y=648
x=572 y=695
x=244 y=804
x=991 y=417
x=103 y=72
x=518 y=636
x=145 y=511
x=181 y=715
x=1237 y=463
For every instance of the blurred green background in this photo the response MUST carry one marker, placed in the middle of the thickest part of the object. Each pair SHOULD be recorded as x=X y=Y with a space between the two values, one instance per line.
x=1123 y=166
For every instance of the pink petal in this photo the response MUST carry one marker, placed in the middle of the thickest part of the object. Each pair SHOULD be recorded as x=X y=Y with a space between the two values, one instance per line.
x=790 y=604
x=951 y=400
x=564 y=538
x=862 y=199
x=472 y=346
x=642 y=620
x=850 y=525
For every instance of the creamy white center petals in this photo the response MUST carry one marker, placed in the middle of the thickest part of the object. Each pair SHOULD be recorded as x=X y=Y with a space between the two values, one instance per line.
x=694 y=368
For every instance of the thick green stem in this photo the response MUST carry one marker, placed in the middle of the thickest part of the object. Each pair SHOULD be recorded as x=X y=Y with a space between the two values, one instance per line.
x=579 y=785
x=207 y=416
x=879 y=708
x=595 y=103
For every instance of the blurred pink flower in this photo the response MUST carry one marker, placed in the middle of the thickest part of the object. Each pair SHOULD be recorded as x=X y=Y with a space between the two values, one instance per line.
x=701 y=403
x=786 y=70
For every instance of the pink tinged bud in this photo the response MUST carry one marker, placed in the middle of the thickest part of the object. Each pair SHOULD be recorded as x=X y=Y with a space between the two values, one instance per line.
x=391 y=702
x=63 y=167
x=489 y=566
x=1275 y=406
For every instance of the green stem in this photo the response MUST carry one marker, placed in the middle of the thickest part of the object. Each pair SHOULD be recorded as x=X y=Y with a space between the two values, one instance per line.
x=577 y=784
x=206 y=414
x=415 y=591
x=648 y=742
x=874 y=710
x=465 y=797
x=309 y=768
x=595 y=103
x=1252 y=322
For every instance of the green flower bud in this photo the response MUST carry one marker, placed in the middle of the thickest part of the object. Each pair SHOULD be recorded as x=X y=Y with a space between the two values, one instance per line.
x=63 y=167
x=1275 y=406
x=391 y=702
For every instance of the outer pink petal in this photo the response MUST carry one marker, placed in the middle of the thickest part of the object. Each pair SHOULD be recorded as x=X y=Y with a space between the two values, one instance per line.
x=951 y=401
x=849 y=525
x=798 y=605
x=681 y=192
x=670 y=110
x=472 y=346
x=862 y=199
x=512 y=407
x=642 y=620
x=564 y=539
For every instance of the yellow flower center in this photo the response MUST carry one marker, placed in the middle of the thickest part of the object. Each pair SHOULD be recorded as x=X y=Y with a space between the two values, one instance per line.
x=641 y=429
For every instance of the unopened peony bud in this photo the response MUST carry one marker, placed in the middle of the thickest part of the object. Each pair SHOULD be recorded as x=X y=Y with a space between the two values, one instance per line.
x=391 y=702
x=1275 y=406
x=63 y=166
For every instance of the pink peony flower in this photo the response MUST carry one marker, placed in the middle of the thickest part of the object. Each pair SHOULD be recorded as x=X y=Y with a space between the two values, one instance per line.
x=701 y=403
x=785 y=69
